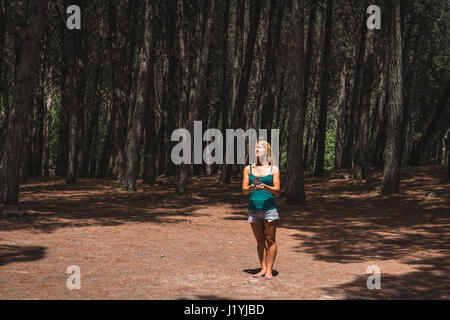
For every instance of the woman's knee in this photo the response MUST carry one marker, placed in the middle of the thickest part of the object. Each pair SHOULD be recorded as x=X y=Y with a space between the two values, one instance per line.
x=270 y=239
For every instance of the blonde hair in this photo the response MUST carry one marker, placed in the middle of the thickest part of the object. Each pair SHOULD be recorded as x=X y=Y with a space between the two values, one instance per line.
x=268 y=148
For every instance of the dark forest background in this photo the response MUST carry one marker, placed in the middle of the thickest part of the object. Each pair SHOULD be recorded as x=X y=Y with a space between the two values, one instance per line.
x=102 y=102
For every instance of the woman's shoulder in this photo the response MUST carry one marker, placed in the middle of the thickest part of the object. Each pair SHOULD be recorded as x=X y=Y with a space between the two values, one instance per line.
x=275 y=168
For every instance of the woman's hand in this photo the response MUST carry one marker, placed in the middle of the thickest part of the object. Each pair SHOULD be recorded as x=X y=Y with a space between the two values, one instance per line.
x=260 y=187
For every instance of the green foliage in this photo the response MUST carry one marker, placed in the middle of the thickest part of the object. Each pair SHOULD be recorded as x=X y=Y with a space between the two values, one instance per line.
x=330 y=142
x=121 y=186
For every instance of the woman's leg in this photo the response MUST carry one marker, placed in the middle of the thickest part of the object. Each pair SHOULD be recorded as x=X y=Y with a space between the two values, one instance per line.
x=258 y=231
x=270 y=232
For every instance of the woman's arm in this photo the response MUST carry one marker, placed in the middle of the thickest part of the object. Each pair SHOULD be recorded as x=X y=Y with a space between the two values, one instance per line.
x=246 y=189
x=276 y=182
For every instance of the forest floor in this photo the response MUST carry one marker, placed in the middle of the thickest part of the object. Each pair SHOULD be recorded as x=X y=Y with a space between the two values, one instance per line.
x=152 y=244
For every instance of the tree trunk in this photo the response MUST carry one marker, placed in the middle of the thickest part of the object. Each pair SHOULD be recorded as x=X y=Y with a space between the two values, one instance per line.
x=269 y=83
x=134 y=136
x=238 y=120
x=196 y=90
x=23 y=98
x=360 y=160
x=174 y=87
x=90 y=144
x=238 y=48
x=430 y=126
x=313 y=101
x=340 y=117
x=103 y=168
x=74 y=93
x=63 y=135
x=295 y=180
x=46 y=134
x=3 y=82
x=225 y=87
x=150 y=146
x=119 y=76
x=394 y=107
x=353 y=104
x=241 y=97
x=324 y=85
x=310 y=43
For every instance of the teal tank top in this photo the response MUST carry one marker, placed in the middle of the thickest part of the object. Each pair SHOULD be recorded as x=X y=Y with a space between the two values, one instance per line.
x=261 y=200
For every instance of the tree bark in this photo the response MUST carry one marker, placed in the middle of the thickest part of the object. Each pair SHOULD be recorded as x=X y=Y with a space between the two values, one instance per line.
x=310 y=43
x=119 y=77
x=196 y=90
x=340 y=117
x=380 y=121
x=324 y=85
x=150 y=146
x=23 y=98
x=74 y=93
x=225 y=86
x=3 y=82
x=354 y=95
x=238 y=121
x=269 y=82
x=360 y=160
x=174 y=87
x=295 y=180
x=48 y=92
x=394 y=107
x=430 y=126
x=135 y=132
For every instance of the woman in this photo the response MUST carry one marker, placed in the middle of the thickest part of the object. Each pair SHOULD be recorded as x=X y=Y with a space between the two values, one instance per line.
x=262 y=212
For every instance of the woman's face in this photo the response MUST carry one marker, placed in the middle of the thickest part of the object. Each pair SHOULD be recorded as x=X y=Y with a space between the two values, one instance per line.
x=260 y=151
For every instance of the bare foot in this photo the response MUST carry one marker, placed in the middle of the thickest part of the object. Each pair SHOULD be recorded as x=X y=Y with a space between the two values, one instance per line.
x=268 y=276
x=259 y=274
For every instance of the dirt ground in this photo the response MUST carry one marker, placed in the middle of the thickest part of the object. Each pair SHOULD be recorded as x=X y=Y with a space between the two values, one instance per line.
x=153 y=245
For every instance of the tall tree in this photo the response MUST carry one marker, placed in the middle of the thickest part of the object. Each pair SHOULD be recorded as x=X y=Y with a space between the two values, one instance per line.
x=238 y=121
x=135 y=132
x=394 y=105
x=340 y=116
x=75 y=61
x=272 y=50
x=150 y=145
x=430 y=126
x=325 y=86
x=28 y=69
x=295 y=183
x=192 y=105
x=354 y=93
x=360 y=158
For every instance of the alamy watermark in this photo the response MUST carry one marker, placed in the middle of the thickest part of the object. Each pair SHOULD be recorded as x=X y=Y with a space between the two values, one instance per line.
x=73 y=22
x=74 y=280
x=374 y=20
x=214 y=152
x=374 y=281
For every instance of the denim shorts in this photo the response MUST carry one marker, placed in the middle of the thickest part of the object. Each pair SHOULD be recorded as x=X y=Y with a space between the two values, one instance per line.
x=269 y=215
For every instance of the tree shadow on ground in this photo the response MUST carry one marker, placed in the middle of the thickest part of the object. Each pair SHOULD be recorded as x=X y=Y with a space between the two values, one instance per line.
x=346 y=221
x=10 y=254
x=344 y=227
x=431 y=281
x=50 y=204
